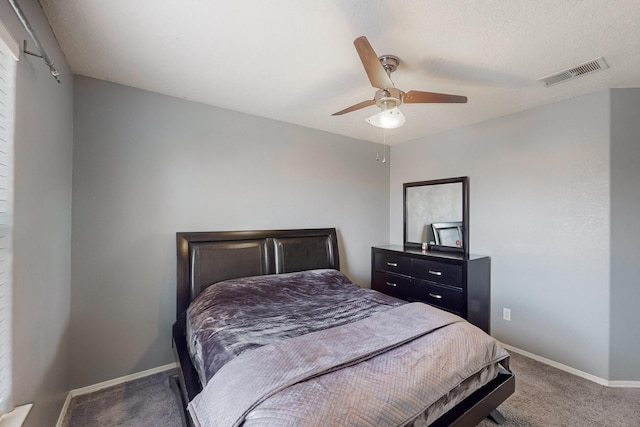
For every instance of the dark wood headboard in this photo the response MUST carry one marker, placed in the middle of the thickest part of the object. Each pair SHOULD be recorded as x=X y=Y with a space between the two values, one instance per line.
x=209 y=257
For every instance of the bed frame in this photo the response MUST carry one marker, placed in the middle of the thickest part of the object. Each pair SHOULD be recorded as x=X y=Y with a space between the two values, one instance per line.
x=209 y=257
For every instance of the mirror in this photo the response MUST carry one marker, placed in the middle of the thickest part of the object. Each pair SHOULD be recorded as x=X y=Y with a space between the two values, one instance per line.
x=437 y=213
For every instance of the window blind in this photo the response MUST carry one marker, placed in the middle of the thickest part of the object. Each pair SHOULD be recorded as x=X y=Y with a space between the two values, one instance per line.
x=8 y=53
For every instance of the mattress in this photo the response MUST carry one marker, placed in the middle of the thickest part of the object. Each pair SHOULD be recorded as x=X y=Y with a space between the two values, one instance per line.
x=312 y=348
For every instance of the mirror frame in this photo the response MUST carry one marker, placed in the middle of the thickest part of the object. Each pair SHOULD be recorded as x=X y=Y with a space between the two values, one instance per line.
x=465 y=214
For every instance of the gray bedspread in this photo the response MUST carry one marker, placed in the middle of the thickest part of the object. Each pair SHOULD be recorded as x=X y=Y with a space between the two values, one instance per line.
x=237 y=315
x=383 y=370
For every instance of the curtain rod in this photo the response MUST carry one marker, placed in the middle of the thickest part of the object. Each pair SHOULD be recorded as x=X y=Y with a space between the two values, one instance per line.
x=27 y=26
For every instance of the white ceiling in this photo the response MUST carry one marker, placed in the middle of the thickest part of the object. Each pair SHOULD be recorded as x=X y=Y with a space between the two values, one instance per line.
x=294 y=61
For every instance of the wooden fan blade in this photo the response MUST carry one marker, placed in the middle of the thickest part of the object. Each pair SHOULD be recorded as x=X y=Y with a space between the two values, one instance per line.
x=415 y=96
x=362 y=104
x=375 y=71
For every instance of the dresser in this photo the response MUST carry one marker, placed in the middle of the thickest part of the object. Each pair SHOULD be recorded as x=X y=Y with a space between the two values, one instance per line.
x=454 y=282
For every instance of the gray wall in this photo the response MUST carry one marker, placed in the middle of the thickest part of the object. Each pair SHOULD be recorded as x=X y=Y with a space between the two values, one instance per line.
x=539 y=206
x=42 y=224
x=625 y=234
x=148 y=165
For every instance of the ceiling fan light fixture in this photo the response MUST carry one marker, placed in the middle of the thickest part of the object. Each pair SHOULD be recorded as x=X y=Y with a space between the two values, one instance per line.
x=387 y=119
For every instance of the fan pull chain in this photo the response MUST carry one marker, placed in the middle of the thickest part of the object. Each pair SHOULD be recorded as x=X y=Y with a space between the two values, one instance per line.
x=384 y=146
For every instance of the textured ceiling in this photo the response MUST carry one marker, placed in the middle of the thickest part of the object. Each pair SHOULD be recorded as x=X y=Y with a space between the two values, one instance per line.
x=294 y=61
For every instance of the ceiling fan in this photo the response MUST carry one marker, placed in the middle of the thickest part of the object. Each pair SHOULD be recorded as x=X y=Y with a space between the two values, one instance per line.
x=388 y=98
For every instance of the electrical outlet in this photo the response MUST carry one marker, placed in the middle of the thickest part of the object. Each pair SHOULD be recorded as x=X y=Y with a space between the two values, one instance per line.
x=506 y=314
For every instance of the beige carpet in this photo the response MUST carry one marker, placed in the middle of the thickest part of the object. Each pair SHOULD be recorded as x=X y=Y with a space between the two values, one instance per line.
x=548 y=397
x=544 y=397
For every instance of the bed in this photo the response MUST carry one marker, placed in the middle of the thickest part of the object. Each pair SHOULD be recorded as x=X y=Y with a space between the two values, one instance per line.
x=368 y=354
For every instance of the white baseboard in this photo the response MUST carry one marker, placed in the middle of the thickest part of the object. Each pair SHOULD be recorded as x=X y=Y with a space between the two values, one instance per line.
x=576 y=372
x=63 y=411
x=109 y=383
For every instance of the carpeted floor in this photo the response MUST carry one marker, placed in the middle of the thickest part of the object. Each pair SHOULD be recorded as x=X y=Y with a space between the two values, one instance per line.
x=146 y=402
x=544 y=397
x=548 y=397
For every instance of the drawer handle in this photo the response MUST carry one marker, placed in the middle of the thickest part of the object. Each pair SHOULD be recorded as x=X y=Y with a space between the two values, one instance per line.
x=392 y=284
x=392 y=264
x=435 y=273
x=436 y=296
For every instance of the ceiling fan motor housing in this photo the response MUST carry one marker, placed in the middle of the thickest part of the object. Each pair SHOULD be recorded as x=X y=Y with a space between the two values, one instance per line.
x=387 y=99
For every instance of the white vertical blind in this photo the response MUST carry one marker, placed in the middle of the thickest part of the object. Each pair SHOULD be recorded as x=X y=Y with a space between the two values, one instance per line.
x=8 y=54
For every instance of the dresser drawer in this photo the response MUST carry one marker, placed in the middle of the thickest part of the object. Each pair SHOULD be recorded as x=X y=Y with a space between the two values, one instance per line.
x=450 y=299
x=391 y=284
x=453 y=282
x=393 y=263
x=439 y=272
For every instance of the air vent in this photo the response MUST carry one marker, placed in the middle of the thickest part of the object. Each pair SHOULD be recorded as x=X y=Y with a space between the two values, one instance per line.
x=574 y=72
